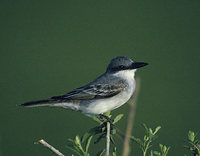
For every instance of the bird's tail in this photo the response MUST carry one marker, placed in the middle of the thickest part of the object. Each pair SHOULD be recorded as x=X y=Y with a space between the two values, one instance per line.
x=48 y=102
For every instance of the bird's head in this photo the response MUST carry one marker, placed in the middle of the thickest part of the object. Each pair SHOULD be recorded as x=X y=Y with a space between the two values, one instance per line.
x=121 y=63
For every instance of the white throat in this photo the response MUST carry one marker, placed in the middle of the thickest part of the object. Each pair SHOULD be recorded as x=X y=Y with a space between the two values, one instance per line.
x=126 y=74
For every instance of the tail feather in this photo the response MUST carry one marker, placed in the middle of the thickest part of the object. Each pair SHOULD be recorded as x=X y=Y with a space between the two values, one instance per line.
x=38 y=103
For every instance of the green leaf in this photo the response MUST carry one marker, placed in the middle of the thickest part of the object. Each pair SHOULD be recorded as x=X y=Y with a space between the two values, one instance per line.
x=112 y=140
x=101 y=152
x=70 y=140
x=117 y=118
x=150 y=131
x=99 y=138
x=108 y=114
x=164 y=149
x=156 y=153
x=167 y=150
x=84 y=137
x=88 y=143
x=146 y=138
x=103 y=129
x=191 y=136
x=161 y=146
x=75 y=147
x=77 y=140
x=152 y=136
x=73 y=150
x=97 y=130
x=97 y=120
x=157 y=129
x=137 y=140
x=113 y=131
x=146 y=128
x=78 y=144
x=115 y=151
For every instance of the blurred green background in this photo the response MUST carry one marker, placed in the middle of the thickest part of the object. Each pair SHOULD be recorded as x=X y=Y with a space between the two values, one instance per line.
x=50 y=47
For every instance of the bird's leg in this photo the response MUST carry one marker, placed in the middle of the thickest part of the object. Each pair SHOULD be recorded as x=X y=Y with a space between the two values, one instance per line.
x=103 y=117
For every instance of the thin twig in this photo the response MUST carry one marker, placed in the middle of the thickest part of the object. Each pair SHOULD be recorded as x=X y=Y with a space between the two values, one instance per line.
x=130 y=120
x=108 y=139
x=151 y=153
x=44 y=143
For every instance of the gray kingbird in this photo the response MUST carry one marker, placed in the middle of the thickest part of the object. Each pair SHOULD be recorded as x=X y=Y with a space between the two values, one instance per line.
x=107 y=92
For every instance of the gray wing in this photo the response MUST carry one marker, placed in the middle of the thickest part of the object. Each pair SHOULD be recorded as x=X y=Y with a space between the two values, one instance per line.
x=95 y=90
x=103 y=87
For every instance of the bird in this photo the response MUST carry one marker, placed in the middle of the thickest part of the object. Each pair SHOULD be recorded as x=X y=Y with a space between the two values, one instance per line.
x=107 y=92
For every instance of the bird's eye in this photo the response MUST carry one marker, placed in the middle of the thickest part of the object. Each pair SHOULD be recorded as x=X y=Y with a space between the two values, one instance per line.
x=121 y=66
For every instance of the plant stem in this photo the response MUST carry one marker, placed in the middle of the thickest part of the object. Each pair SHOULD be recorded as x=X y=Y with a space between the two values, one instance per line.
x=146 y=148
x=130 y=120
x=44 y=143
x=108 y=139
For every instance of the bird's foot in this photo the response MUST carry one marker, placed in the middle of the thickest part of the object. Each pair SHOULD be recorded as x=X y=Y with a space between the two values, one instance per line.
x=105 y=118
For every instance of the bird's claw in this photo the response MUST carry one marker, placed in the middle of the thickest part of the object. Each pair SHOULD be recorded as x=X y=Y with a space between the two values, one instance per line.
x=105 y=118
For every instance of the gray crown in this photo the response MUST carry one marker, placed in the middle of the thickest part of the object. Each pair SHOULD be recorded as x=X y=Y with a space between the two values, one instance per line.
x=119 y=63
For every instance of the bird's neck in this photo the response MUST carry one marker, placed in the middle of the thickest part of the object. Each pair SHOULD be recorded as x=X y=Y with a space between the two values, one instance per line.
x=126 y=74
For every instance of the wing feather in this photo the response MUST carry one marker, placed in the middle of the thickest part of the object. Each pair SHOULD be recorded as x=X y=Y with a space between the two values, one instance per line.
x=93 y=91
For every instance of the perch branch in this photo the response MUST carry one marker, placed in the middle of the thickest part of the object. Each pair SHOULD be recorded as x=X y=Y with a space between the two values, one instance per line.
x=108 y=139
x=45 y=144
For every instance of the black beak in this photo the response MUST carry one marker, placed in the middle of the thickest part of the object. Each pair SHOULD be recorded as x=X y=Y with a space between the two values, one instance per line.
x=136 y=65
